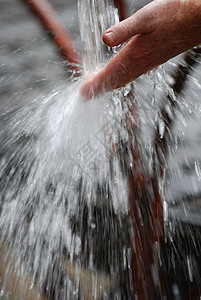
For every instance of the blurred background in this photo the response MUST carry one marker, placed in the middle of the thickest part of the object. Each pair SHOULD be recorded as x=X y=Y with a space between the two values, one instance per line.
x=30 y=62
x=31 y=65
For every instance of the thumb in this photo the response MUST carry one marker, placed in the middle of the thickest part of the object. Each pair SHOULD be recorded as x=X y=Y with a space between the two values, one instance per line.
x=138 y=23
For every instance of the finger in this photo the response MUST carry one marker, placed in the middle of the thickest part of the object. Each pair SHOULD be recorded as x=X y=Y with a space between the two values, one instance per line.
x=131 y=62
x=139 y=23
x=120 y=32
x=93 y=85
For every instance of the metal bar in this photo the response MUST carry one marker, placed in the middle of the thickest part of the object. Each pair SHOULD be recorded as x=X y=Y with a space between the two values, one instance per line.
x=180 y=77
x=145 y=222
x=48 y=17
x=121 y=5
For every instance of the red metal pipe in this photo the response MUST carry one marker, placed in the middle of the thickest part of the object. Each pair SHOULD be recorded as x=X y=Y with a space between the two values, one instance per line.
x=145 y=236
x=121 y=5
x=62 y=39
x=146 y=221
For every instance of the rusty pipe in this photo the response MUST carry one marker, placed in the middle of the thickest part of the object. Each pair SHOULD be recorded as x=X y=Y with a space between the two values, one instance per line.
x=48 y=17
x=121 y=5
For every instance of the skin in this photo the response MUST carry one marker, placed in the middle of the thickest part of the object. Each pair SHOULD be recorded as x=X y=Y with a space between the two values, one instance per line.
x=157 y=32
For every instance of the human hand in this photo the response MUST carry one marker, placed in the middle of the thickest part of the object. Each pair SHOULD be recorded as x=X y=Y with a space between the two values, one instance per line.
x=159 y=31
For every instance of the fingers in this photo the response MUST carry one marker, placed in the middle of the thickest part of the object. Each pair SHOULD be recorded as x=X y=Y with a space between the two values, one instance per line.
x=131 y=62
x=138 y=23
x=120 y=32
x=93 y=85
x=158 y=34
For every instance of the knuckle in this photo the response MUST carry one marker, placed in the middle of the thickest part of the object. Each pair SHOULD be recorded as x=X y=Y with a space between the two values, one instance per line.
x=125 y=30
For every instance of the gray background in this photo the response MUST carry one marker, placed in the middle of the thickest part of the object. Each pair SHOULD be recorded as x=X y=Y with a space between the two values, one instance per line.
x=30 y=65
x=28 y=58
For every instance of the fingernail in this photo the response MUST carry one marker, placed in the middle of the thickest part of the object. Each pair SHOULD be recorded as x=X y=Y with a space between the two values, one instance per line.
x=111 y=37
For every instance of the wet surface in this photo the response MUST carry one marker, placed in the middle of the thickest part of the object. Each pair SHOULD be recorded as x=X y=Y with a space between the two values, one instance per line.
x=30 y=65
x=29 y=60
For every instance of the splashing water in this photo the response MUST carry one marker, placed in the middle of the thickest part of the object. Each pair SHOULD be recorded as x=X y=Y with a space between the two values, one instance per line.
x=82 y=187
x=62 y=186
x=96 y=52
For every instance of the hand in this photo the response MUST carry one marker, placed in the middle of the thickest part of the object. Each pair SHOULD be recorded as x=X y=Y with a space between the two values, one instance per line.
x=159 y=31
